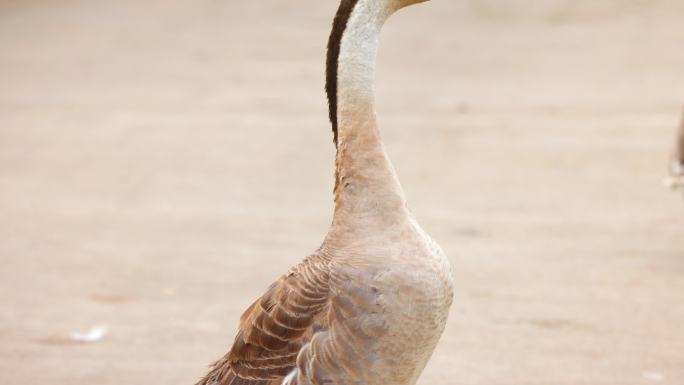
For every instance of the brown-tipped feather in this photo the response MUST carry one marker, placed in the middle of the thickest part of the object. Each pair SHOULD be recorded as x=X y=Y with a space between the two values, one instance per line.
x=275 y=327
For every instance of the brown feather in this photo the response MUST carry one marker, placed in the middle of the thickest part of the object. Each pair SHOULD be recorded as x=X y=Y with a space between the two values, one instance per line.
x=275 y=327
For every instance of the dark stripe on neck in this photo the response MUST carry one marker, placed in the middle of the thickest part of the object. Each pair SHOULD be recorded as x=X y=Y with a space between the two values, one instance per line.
x=332 y=62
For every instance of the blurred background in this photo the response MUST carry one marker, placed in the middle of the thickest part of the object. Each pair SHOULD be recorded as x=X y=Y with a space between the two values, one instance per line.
x=163 y=161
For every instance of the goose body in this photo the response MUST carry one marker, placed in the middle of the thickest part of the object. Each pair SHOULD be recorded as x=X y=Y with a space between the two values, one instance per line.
x=369 y=306
x=676 y=179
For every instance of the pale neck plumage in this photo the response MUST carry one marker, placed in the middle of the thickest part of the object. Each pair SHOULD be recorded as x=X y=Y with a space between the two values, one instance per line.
x=368 y=192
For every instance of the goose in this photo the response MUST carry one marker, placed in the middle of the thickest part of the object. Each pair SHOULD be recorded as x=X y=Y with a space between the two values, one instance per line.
x=368 y=306
x=676 y=178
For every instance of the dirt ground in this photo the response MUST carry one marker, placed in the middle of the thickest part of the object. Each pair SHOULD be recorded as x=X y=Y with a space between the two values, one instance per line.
x=162 y=162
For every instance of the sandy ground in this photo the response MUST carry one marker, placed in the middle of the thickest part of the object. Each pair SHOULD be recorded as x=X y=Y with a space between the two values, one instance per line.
x=161 y=162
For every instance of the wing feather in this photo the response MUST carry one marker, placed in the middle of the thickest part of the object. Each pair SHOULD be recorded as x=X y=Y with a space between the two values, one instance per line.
x=274 y=328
